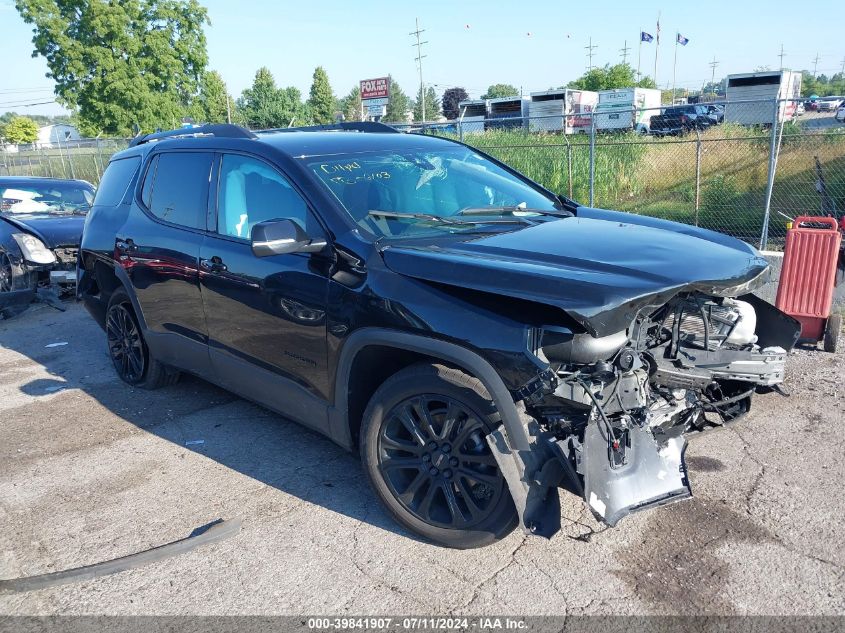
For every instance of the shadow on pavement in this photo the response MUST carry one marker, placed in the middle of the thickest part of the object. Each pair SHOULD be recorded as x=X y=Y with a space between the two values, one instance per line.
x=192 y=414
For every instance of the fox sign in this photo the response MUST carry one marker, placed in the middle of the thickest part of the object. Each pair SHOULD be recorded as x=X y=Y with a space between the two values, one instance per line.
x=375 y=88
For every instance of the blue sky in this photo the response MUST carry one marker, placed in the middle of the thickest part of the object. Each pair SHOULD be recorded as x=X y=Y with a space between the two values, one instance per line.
x=531 y=44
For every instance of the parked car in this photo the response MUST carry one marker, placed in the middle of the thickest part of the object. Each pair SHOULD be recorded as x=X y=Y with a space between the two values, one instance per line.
x=840 y=113
x=716 y=113
x=481 y=341
x=677 y=120
x=829 y=104
x=41 y=223
x=800 y=109
x=811 y=105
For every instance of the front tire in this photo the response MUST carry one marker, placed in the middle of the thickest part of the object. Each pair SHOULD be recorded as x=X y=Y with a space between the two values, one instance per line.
x=130 y=355
x=424 y=449
x=11 y=282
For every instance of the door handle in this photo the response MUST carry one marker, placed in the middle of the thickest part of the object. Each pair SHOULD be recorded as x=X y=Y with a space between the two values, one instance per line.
x=213 y=265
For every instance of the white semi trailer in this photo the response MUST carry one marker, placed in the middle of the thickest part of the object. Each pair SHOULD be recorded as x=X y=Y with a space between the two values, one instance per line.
x=623 y=109
x=561 y=110
x=751 y=97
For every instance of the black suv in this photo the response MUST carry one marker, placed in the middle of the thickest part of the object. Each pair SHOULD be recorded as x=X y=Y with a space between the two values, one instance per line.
x=481 y=340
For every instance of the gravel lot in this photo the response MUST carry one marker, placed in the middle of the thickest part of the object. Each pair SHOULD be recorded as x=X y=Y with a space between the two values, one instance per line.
x=91 y=469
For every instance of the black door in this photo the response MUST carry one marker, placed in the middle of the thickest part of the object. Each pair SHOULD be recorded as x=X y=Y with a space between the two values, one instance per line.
x=266 y=316
x=160 y=248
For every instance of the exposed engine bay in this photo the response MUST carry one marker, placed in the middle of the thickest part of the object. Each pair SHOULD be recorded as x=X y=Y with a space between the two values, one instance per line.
x=609 y=421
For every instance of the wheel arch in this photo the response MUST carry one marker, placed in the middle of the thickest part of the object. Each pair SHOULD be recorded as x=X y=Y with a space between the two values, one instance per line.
x=125 y=284
x=371 y=355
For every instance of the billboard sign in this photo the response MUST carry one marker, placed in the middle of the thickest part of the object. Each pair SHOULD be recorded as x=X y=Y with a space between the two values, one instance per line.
x=375 y=88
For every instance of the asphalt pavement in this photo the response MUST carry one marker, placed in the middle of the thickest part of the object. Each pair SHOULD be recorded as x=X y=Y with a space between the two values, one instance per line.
x=91 y=469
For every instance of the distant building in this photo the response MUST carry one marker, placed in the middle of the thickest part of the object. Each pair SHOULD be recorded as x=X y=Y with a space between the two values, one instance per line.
x=59 y=134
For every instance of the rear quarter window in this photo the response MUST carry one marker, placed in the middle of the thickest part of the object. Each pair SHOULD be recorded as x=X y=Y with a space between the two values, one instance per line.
x=180 y=188
x=116 y=180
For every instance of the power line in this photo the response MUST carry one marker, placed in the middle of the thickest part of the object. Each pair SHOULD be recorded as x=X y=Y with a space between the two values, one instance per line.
x=781 y=56
x=419 y=59
x=815 y=65
x=590 y=53
x=624 y=50
x=26 y=105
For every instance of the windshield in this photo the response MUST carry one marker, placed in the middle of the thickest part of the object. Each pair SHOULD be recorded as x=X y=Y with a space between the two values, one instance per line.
x=429 y=184
x=59 y=198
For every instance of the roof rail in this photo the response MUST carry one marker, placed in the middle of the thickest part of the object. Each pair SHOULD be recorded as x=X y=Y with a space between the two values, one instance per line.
x=348 y=126
x=220 y=130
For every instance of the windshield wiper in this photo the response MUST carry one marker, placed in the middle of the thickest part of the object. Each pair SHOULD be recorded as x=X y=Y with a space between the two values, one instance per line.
x=512 y=211
x=444 y=221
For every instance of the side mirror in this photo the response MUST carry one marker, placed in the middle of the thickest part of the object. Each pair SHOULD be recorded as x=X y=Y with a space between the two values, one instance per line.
x=280 y=237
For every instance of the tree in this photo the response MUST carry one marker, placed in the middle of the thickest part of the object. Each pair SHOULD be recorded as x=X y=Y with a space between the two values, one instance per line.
x=350 y=105
x=266 y=106
x=432 y=105
x=451 y=98
x=321 y=101
x=210 y=106
x=609 y=77
x=500 y=90
x=121 y=63
x=397 y=105
x=20 y=129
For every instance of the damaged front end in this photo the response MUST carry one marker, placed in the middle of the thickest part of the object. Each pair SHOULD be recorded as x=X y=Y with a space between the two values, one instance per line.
x=607 y=419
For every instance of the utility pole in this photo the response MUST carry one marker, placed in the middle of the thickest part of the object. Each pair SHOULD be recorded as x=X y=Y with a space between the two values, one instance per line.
x=624 y=50
x=590 y=48
x=419 y=59
x=782 y=54
x=815 y=65
x=713 y=65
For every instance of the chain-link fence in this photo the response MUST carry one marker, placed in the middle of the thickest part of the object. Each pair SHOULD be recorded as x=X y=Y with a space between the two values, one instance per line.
x=84 y=160
x=741 y=168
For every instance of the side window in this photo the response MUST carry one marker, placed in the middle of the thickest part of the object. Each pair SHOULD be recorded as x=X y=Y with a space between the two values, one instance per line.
x=180 y=188
x=147 y=190
x=115 y=181
x=251 y=192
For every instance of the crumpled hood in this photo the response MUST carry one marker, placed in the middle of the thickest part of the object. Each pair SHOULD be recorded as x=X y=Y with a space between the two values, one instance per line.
x=601 y=267
x=53 y=230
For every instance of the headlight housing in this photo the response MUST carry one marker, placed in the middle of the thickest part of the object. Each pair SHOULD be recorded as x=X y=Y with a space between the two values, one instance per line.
x=34 y=249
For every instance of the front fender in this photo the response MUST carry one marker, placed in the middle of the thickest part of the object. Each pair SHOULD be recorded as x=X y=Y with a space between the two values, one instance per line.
x=463 y=357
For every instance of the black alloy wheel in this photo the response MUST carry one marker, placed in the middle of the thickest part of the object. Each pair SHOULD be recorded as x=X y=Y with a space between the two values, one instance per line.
x=434 y=458
x=126 y=346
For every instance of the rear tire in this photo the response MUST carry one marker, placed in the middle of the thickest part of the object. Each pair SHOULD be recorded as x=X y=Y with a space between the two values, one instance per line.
x=424 y=449
x=832 y=330
x=130 y=355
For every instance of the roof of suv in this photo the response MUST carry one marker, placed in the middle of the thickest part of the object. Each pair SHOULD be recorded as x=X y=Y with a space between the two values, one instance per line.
x=298 y=142
x=307 y=143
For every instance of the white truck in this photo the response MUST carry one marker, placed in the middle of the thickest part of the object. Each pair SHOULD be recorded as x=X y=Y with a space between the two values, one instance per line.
x=564 y=110
x=751 y=97
x=623 y=109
